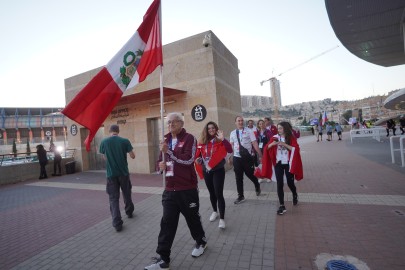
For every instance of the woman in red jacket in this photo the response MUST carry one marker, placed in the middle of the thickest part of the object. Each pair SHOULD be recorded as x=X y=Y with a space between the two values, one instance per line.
x=282 y=154
x=210 y=161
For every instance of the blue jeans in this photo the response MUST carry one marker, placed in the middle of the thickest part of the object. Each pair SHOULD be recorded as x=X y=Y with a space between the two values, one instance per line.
x=113 y=190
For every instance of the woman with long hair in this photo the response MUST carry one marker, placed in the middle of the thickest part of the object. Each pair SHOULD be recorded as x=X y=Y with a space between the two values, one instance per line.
x=262 y=138
x=210 y=161
x=282 y=154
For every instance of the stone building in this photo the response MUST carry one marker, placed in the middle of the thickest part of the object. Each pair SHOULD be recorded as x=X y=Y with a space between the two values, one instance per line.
x=195 y=76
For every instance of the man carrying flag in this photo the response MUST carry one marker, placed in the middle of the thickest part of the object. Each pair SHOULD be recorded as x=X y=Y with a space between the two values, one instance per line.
x=324 y=118
x=132 y=64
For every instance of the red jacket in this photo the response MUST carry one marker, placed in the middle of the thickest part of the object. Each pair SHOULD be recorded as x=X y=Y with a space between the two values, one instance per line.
x=294 y=160
x=183 y=158
x=217 y=151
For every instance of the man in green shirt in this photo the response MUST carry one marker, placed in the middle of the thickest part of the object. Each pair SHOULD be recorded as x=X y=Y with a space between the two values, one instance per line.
x=115 y=149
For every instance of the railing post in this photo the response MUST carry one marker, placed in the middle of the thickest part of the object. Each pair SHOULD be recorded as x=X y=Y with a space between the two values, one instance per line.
x=392 y=149
x=401 y=149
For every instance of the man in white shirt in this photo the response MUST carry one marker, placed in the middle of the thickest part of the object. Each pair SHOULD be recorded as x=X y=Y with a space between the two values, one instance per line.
x=244 y=165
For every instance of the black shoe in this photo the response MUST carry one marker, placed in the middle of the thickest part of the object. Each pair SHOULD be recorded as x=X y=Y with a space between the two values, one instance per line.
x=295 y=200
x=281 y=210
x=40 y=178
x=258 y=191
x=54 y=174
x=239 y=200
x=130 y=215
x=118 y=228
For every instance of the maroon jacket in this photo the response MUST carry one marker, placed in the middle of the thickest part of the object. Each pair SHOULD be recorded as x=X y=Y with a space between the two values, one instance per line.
x=182 y=156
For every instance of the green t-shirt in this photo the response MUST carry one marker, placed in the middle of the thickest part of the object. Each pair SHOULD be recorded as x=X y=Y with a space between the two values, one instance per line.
x=115 y=149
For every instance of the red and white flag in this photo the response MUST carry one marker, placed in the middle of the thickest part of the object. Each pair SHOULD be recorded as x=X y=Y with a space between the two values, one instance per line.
x=132 y=64
x=324 y=118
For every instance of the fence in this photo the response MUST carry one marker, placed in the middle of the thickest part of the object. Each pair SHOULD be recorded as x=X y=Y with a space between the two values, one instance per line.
x=20 y=158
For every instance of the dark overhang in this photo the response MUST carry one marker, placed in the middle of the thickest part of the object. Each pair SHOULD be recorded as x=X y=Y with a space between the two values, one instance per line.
x=152 y=94
x=396 y=101
x=373 y=30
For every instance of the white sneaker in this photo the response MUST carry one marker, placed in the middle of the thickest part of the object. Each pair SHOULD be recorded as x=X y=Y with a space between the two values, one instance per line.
x=213 y=216
x=158 y=265
x=268 y=180
x=221 y=224
x=198 y=250
x=261 y=180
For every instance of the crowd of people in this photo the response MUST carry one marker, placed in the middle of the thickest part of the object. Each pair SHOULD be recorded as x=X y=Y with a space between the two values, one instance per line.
x=183 y=159
x=329 y=129
x=260 y=153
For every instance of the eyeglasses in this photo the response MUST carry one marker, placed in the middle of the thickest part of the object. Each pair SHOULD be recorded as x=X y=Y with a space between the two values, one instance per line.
x=170 y=122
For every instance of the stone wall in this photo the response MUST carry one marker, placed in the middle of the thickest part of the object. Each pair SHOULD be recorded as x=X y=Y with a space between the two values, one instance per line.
x=27 y=171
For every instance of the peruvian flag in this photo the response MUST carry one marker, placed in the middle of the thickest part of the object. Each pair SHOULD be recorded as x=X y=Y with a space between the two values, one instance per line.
x=324 y=118
x=132 y=64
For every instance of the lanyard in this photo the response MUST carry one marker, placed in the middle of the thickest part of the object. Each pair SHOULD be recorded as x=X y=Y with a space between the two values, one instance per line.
x=171 y=144
x=212 y=149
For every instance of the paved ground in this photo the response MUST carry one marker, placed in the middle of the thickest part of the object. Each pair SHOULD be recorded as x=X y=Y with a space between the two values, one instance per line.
x=352 y=204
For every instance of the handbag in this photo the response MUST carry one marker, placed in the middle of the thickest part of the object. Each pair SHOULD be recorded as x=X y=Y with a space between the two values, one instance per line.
x=244 y=153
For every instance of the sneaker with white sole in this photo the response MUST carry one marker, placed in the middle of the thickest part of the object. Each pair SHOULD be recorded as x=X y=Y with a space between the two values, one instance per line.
x=239 y=200
x=261 y=180
x=221 y=224
x=158 y=264
x=213 y=216
x=198 y=250
x=268 y=180
x=281 y=210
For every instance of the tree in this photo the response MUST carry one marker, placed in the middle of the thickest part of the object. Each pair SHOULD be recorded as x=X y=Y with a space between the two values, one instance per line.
x=347 y=115
x=14 y=148
x=28 y=148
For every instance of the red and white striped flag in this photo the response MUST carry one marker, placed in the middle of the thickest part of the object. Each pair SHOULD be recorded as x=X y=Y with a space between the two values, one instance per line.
x=324 y=118
x=132 y=64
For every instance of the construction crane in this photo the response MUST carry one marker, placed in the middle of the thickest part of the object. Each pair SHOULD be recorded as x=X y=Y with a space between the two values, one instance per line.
x=275 y=84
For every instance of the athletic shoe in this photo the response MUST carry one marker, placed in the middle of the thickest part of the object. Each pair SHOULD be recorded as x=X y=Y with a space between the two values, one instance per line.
x=295 y=199
x=158 y=264
x=198 y=250
x=281 y=210
x=268 y=180
x=239 y=200
x=261 y=180
x=221 y=224
x=213 y=216
x=118 y=228
x=258 y=191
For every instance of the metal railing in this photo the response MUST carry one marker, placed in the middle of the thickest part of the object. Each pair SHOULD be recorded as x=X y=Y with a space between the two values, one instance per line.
x=19 y=158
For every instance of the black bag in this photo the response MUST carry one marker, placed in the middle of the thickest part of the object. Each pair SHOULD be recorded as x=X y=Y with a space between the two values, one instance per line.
x=244 y=153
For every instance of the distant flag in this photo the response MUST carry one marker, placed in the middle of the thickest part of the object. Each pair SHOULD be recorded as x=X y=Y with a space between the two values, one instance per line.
x=324 y=118
x=132 y=64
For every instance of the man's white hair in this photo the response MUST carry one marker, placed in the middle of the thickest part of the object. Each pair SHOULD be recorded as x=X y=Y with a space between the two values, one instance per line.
x=175 y=116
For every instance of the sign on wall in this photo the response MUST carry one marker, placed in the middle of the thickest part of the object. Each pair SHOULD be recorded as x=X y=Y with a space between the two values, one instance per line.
x=73 y=130
x=199 y=113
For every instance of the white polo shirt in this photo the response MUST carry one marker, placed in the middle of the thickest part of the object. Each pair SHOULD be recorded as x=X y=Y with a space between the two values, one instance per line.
x=246 y=138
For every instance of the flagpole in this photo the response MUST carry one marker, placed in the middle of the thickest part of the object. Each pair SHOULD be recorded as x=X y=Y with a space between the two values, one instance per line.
x=162 y=122
x=162 y=125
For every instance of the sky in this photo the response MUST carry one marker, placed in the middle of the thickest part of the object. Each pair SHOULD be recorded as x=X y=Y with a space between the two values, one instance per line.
x=46 y=41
